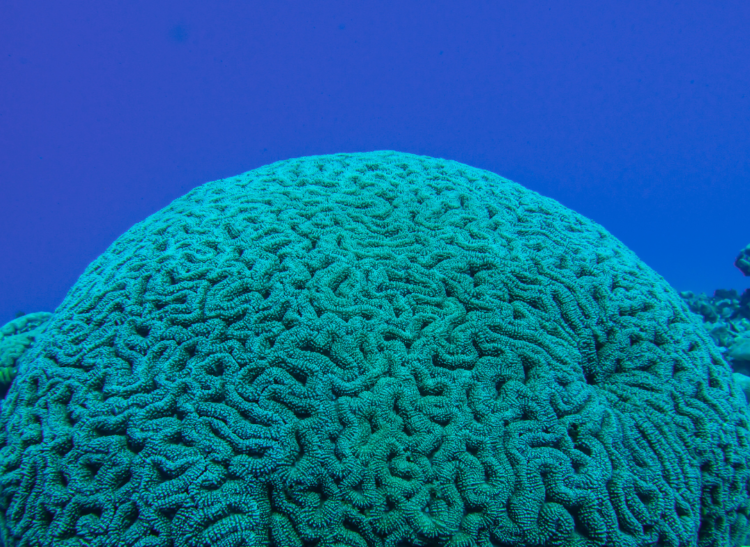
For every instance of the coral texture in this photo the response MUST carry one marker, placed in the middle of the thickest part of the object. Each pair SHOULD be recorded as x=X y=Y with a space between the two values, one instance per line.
x=726 y=316
x=374 y=349
x=16 y=337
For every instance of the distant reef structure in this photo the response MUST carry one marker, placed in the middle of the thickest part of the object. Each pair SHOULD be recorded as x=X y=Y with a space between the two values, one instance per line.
x=726 y=316
x=743 y=261
x=374 y=350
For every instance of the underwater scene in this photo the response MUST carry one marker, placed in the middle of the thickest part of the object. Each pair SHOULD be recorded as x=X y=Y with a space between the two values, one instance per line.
x=395 y=274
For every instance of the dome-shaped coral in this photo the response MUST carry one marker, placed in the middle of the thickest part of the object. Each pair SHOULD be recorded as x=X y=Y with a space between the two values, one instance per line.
x=373 y=349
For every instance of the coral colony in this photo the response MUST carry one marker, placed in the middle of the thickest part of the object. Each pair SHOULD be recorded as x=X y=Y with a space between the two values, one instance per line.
x=372 y=350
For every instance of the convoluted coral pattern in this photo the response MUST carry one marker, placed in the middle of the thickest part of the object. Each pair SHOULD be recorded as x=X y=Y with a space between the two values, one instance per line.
x=373 y=349
x=16 y=337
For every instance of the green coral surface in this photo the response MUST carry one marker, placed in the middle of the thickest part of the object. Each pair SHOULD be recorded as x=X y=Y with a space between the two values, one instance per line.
x=374 y=349
x=16 y=337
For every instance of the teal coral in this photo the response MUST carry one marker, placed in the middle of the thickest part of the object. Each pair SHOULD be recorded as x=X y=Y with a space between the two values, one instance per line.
x=16 y=337
x=374 y=349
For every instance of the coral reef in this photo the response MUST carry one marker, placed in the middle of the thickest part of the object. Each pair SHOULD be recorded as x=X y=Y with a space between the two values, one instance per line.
x=726 y=315
x=374 y=349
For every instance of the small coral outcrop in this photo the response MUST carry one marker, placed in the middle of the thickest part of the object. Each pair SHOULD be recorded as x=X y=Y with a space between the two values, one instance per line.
x=743 y=261
x=726 y=316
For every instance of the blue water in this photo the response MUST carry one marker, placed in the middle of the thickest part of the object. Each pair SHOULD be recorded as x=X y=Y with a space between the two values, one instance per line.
x=634 y=114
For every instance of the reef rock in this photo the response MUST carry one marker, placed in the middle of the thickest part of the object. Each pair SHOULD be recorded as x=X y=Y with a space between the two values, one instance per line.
x=743 y=261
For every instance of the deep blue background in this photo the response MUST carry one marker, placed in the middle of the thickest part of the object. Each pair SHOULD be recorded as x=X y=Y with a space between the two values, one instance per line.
x=636 y=114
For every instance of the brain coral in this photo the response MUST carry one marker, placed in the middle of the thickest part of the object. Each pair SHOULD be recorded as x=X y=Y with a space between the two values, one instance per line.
x=373 y=349
x=16 y=337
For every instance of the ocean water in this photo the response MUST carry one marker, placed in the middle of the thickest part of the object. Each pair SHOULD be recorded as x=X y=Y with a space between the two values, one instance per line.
x=633 y=115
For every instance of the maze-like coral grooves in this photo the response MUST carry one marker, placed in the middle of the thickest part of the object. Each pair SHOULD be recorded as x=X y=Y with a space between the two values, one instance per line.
x=374 y=349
